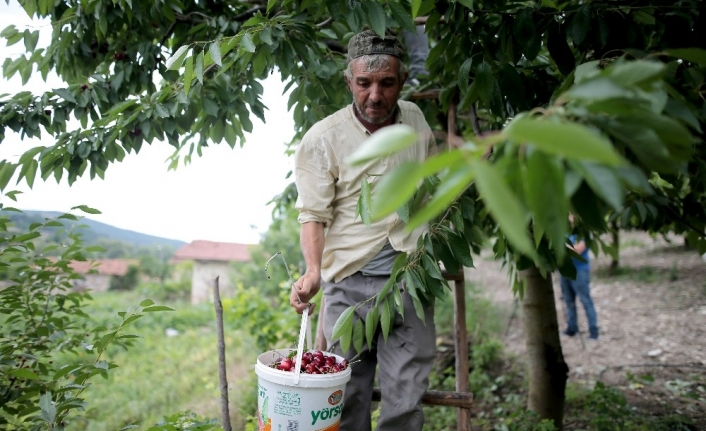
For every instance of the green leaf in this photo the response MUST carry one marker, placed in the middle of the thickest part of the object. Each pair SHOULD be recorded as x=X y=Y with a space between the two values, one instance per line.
x=460 y=250
x=570 y=140
x=643 y=17
x=403 y=18
x=581 y=24
x=399 y=303
x=416 y=4
x=7 y=170
x=559 y=49
x=215 y=52
x=452 y=185
x=48 y=408
x=385 y=290
x=599 y=88
x=395 y=189
x=30 y=40
x=86 y=209
x=419 y=309
x=157 y=308
x=636 y=72
x=27 y=236
x=66 y=369
x=387 y=317
x=603 y=181
x=384 y=142
x=463 y=75
x=24 y=373
x=343 y=325
x=198 y=67
x=371 y=323
x=431 y=267
x=586 y=70
x=270 y=5
x=376 y=17
x=365 y=202
x=398 y=265
x=175 y=61
x=8 y=31
x=188 y=74
x=544 y=188
x=503 y=205
x=246 y=43
x=358 y=335
x=692 y=55
x=65 y=94
x=484 y=82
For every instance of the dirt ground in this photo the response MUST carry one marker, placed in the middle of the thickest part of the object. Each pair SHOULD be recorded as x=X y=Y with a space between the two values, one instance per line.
x=652 y=319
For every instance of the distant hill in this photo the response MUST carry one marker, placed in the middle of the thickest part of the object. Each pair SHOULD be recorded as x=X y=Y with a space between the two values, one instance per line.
x=96 y=232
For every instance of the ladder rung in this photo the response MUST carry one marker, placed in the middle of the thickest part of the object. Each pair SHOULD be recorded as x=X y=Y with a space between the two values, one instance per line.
x=440 y=398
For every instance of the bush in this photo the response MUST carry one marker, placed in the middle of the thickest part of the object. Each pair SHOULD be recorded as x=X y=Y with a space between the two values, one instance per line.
x=40 y=319
x=128 y=281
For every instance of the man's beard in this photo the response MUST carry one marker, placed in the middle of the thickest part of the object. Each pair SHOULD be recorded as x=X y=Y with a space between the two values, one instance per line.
x=371 y=120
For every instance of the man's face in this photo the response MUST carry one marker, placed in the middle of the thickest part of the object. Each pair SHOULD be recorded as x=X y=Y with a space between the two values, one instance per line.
x=375 y=94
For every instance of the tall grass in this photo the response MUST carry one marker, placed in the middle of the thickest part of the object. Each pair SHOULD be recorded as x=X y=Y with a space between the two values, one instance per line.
x=160 y=375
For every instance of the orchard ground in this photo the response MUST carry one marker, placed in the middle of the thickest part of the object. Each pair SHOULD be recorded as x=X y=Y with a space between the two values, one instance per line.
x=652 y=318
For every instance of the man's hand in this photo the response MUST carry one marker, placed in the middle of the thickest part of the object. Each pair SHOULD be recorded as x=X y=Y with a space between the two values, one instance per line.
x=304 y=289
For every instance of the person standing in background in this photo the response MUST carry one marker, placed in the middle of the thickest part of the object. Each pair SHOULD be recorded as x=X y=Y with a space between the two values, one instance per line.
x=580 y=287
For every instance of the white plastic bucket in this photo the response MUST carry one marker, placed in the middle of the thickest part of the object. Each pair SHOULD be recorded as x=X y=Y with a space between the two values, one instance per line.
x=314 y=404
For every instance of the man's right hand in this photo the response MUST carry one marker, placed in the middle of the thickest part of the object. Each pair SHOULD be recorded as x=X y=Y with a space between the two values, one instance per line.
x=304 y=289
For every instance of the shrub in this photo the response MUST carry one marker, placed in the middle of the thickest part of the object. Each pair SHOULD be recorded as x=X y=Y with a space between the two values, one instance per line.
x=128 y=281
x=40 y=318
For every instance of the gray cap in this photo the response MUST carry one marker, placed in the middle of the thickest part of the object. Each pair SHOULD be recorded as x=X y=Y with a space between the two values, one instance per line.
x=368 y=42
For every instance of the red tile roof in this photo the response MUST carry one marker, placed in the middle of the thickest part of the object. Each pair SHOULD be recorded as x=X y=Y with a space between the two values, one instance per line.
x=104 y=266
x=210 y=250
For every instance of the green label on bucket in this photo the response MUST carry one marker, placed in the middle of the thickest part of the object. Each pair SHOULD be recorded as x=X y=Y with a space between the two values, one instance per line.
x=325 y=413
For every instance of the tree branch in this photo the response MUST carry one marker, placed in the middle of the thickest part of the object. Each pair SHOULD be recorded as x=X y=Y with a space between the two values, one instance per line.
x=324 y=23
x=249 y=13
x=474 y=120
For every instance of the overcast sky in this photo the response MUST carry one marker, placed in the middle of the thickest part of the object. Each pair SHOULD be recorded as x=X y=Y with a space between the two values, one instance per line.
x=219 y=197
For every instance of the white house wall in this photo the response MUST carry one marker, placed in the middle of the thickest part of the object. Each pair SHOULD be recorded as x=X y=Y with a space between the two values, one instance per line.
x=205 y=272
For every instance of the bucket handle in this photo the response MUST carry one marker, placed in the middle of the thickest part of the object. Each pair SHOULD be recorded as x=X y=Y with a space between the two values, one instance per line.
x=304 y=334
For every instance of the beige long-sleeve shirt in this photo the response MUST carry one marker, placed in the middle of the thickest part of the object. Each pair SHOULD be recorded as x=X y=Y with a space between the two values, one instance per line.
x=329 y=188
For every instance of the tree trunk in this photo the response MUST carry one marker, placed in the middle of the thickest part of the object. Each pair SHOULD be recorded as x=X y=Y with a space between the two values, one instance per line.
x=615 y=236
x=547 y=370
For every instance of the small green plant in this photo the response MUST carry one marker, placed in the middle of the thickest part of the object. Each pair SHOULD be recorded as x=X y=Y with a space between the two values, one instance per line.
x=185 y=421
x=41 y=318
x=673 y=272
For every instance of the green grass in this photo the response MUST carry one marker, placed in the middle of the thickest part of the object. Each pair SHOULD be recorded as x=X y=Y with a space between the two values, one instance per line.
x=483 y=318
x=160 y=375
x=640 y=275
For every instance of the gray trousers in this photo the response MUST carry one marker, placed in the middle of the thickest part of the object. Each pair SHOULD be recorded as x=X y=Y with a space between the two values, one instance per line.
x=403 y=362
x=418 y=50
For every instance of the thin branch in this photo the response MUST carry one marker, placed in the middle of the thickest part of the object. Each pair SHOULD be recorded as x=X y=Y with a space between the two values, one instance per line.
x=325 y=23
x=168 y=33
x=221 y=357
x=249 y=13
x=452 y=138
x=474 y=120
x=335 y=46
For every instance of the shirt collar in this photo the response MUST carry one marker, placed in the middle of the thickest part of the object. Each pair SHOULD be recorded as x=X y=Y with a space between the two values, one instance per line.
x=351 y=112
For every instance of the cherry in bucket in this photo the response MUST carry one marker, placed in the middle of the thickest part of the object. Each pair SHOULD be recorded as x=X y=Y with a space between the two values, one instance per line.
x=313 y=362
